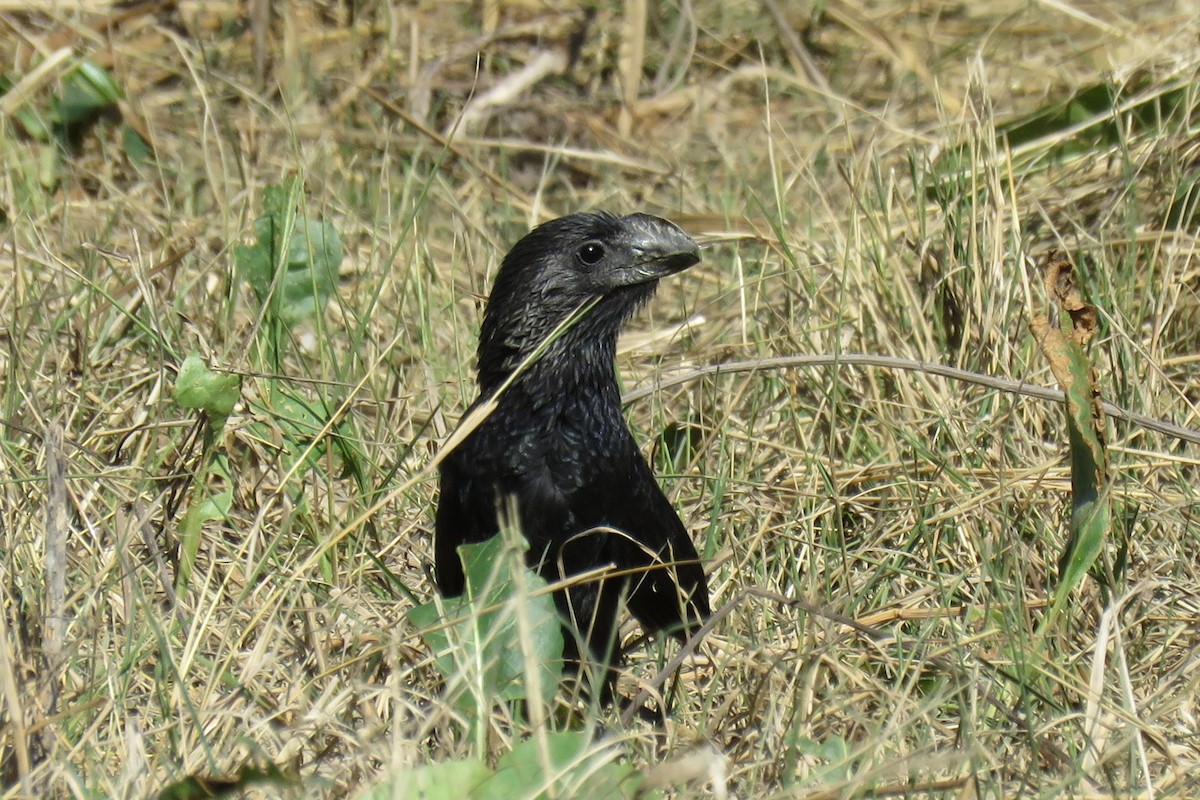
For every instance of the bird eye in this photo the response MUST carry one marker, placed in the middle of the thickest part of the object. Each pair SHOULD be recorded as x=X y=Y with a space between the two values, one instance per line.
x=591 y=253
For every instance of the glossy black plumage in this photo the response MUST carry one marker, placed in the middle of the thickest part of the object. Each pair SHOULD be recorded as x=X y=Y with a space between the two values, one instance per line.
x=557 y=442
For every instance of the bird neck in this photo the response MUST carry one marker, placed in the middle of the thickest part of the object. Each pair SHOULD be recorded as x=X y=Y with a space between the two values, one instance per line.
x=577 y=364
x=572 y=354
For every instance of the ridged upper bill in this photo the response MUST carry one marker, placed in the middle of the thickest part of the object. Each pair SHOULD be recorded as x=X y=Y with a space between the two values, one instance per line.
x=662 y=248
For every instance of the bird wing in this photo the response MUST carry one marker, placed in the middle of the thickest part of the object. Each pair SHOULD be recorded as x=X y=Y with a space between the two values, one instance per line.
x=667 y=589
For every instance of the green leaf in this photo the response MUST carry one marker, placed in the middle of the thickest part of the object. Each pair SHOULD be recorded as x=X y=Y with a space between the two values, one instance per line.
x=680 y=441
x=98 y=83
x=300 y=423
x=833 y=757
x=1061 y=335
x=565 y=764
x=1184 y=211
x=27 y=117
x=198 y=387
x=477 y=635
x=452 y=780
x=88 y=90
x=1090 y=525
x=1089 y=503
x=196 y=787
x=294 y=263
x=136 y=148
x=1094 y=117
x=1092 y=104
x=191 y=527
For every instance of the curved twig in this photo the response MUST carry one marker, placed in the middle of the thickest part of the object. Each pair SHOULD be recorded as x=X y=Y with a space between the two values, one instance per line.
x=911 y=365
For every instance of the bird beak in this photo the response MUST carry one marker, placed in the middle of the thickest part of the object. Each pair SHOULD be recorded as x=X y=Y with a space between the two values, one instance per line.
x=661 y=248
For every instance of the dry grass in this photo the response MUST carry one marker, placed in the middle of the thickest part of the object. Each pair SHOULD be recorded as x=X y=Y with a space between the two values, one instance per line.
x=930 y=511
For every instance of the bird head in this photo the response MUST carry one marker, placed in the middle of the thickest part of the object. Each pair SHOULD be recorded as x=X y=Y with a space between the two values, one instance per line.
x=612 y=263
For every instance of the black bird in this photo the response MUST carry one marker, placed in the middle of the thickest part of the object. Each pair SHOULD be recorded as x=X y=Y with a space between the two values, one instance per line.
x=557 y=443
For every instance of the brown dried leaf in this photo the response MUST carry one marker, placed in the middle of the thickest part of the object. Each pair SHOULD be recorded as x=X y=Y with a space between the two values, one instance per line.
x=1060 y=347
x=1062 y=286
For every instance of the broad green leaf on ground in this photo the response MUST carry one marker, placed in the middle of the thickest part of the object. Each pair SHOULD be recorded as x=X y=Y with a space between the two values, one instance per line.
x=477 y=636
x=297 y=418
x=565 y=764
x=294 y=421
x=294 y=263
x=834 y=755
x=450 y=780
x=198 y=387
